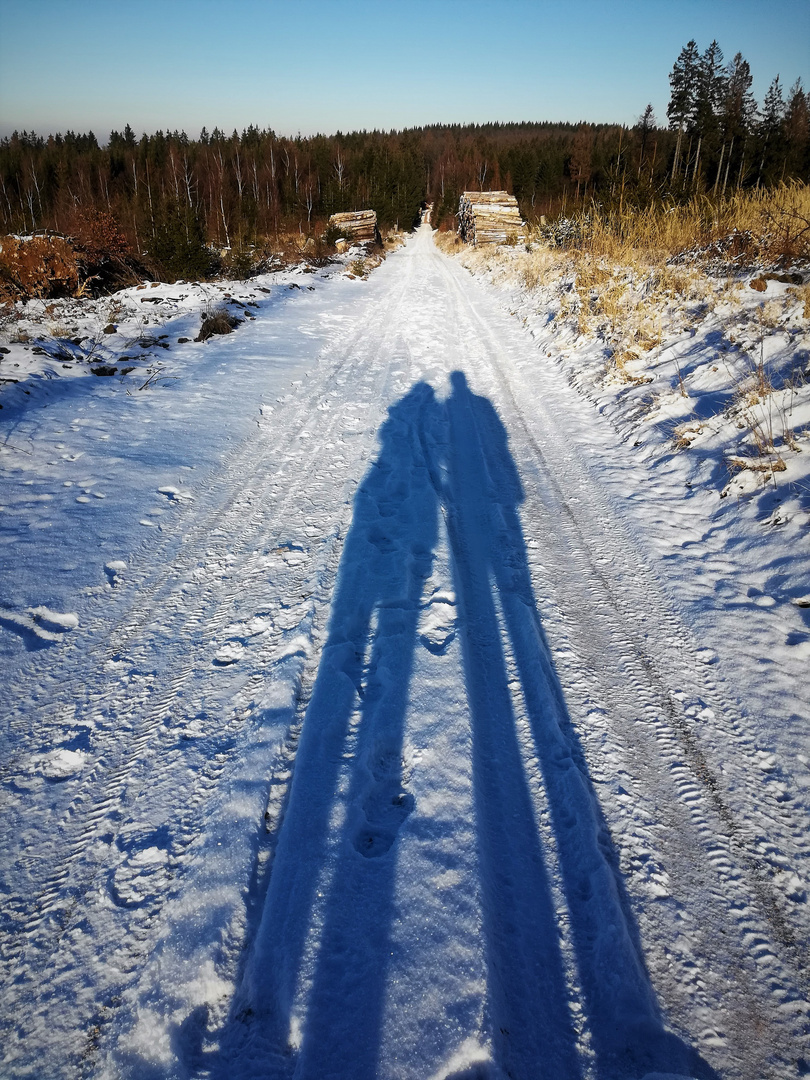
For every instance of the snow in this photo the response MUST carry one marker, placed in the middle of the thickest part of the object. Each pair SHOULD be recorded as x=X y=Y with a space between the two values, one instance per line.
x=693 y=510
x=39 y=622
x=60 y=764
x=382 y=710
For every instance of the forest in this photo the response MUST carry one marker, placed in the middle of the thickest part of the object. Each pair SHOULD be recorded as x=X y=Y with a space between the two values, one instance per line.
x=182 y=202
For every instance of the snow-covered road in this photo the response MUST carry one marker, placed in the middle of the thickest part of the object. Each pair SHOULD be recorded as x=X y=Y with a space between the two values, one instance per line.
x=387 y=754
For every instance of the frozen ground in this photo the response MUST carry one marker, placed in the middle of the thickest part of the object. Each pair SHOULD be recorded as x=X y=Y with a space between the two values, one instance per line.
x=375 y=708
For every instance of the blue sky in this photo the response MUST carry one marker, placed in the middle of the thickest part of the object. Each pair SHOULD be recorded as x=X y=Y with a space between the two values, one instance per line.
x=328 y=65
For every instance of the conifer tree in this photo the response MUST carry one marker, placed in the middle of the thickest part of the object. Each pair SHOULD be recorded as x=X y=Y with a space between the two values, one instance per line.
x=683 y=80
x=773 y=108
x=738 y=118
x=711 y=91
x=739 y=107
x=797 y=129
x=644 y=125
x=770 y=131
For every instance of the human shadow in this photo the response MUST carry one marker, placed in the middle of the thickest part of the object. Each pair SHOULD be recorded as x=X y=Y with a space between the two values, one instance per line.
x=340 y=869
x=481 y=491
x=356 y=712
x=528 y=997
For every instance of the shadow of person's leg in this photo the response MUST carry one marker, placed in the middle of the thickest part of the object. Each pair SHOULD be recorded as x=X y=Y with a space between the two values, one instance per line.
x=533 y=1033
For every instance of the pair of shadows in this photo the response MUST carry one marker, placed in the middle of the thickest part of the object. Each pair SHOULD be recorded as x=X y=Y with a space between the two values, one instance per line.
x=452 y=457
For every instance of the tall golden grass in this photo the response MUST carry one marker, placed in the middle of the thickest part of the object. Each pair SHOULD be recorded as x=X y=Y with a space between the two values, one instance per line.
x=771 y=225
x=619 y=279
x=626 y=279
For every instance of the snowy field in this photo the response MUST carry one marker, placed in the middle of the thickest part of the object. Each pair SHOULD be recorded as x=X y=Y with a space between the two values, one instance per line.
x=385 y=698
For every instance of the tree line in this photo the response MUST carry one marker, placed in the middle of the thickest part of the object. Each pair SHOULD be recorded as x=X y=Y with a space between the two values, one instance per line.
x=723 y=136
x=174 y=196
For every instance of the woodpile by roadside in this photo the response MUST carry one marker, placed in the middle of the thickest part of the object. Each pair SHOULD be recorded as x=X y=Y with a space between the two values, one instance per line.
x=489 y=217
x=357 y=226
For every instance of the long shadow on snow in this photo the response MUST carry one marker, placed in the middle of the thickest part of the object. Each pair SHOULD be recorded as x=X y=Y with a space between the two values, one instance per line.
x=458 y=454
x=357 y=709
x=528 y=998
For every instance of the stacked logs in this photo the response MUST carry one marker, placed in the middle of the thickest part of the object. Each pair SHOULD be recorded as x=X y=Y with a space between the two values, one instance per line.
x=489 y=217
x=358 y=226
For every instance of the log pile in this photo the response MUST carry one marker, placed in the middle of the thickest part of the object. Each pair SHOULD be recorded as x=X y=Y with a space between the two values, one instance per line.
x=358 y=226
x=489 y=217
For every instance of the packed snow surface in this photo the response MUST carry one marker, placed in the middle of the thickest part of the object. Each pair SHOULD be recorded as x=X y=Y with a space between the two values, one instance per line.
x=374 y=710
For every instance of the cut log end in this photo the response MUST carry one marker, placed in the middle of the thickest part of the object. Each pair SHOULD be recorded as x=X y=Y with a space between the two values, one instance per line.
x=489 y=217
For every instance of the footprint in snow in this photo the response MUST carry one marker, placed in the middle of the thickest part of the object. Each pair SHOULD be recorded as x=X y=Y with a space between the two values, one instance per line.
x=800 y=643
x=174 y=494
x=114 y=571
x=437 y=623
x=39 y=626
x=386 y=806
x=382 y=541
x=229 y=654
x=143 y=873
x=241 y=634
x=59 y=764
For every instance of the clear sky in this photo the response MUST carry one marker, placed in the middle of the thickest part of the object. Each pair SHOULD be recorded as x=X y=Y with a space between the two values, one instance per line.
x=327 y=65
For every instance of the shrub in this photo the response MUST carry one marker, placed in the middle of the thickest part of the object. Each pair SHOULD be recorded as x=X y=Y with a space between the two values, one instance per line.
x=358 y=269
x=179 y=248
x=98 y=233
x=41 y=267
x=331 y=235
x=216 y=321
x=237 y=265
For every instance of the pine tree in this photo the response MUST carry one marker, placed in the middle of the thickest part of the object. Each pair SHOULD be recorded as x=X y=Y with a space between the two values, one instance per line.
x=796 y=127
x=773 y=109
x=738 y=120
x=683 y=80
x=179 y=244
x=644 y=125
x=739 y=107
x=711 y=91
x=771 y=135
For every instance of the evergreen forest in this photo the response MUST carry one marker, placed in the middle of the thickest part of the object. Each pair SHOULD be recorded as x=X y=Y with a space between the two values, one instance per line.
x=177 y=197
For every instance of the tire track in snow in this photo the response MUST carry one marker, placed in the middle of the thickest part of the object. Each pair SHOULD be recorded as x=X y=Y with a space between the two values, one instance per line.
x=248 y=481
x=742 y=880
x=637 y=706
x=595 y=616
x=275 y=1005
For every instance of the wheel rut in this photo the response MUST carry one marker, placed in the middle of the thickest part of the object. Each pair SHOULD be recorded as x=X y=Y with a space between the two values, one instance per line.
x=138 y=696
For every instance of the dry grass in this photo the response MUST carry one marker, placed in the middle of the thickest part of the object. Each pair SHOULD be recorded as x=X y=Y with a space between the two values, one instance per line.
x=772 y=313
x=685 y=434
x=803 y=294
x=766 y=225
x=622 y=301
x=393 y=240
x=448 y=242
x=633 y=271
x=639 y=282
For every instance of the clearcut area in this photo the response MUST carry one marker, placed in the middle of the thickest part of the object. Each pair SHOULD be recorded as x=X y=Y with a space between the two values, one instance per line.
x=355 y=725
